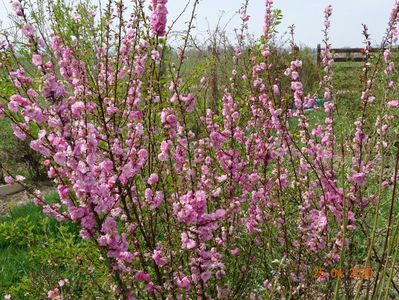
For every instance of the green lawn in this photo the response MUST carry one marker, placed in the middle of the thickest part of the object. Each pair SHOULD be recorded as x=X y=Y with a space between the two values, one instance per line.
x=36 y=252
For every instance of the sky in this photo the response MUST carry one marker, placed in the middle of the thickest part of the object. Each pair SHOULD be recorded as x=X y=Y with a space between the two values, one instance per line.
x=307 y=15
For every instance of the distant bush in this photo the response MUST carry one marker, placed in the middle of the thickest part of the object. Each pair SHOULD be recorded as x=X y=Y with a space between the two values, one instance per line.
x=17 y=156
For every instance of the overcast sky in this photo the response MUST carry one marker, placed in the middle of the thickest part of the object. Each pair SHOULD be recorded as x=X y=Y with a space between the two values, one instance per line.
x=307 y=15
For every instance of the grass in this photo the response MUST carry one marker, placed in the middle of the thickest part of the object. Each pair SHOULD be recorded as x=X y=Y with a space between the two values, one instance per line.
x=21 y=233
x=24 y=232
x=36 y=252
x=14 y=264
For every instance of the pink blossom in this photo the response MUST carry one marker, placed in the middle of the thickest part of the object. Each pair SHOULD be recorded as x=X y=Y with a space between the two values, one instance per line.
x=149 y=287
x=38 y=146
x=52 y=88
x=155 y=56
x=28 y=30
x=41 y=42
x=16 y=7
x=32 y=93
x=276 y=89
x=158 y=18
x=328 y=10
x=9 y=180
x=157 y=257
x=33 y=113
x=152 y=179
x=77 y=108
x=205 y=276
x=217 y=139
x=62 y=282
x=297 y=63
x=359 y=178
x=387 y=55
x=13 y=106
x=156 y=200
x=37 y=60
x=142 y=154
x=109 y=226
x=267 y=285
x=243 y=15
x=142 y=276
x=393 y=103
x=20 y=178
x=20 y=100
x=268 y=20
x=20 y=131
x=187 y=243
x=60 y=158
x=235 y=251
x=106 y=166
x=53 y=294
x=148 y=194
x=183 y=283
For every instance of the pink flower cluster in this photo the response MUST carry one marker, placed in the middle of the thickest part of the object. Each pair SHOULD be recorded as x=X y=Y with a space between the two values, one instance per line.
x=159 y=17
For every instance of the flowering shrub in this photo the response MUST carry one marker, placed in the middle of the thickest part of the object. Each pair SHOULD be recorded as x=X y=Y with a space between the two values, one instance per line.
x=187 y=202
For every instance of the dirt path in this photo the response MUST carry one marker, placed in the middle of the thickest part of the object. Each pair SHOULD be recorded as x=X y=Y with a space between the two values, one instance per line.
x=6 y=202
